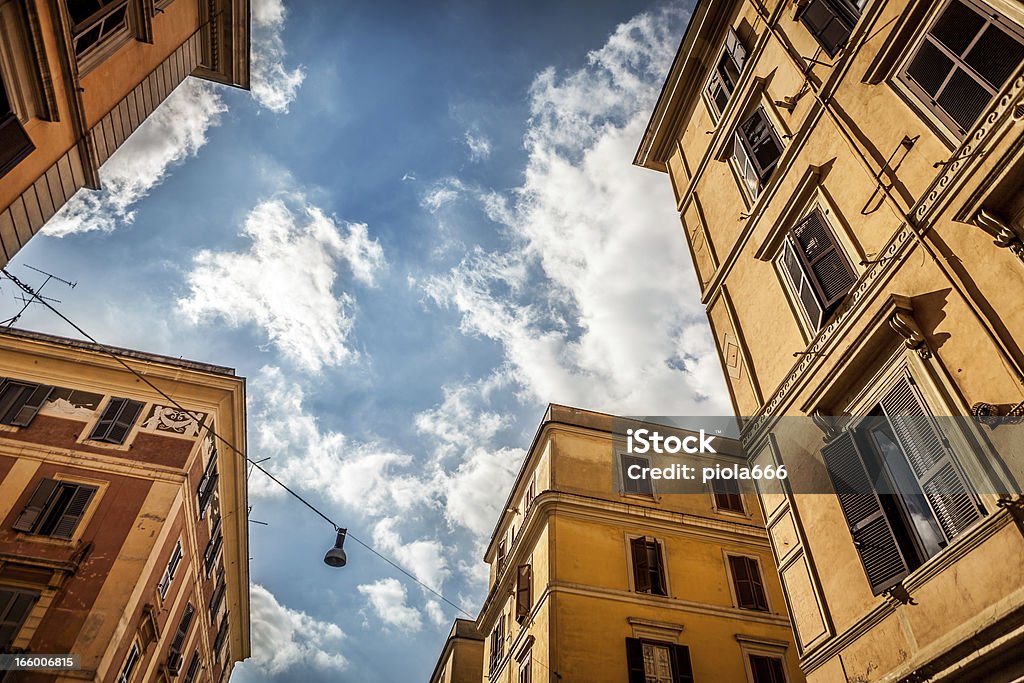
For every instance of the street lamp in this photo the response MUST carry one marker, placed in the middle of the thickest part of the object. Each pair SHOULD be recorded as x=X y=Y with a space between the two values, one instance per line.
x=335 y=557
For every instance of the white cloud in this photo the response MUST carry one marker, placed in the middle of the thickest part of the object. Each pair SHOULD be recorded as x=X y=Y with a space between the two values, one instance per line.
x=283 y=638
x=273 y=85
x=174 y=132
x=479 y=146
x=285 y=282
x=594 y=299
x=387 y=597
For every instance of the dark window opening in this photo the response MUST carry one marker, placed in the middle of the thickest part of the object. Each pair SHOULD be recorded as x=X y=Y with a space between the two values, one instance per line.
x=648 y=566
x=641 y=485
x=95 y=21
x=654 y=662
x=767 y=669
x=726 y=74
x=756 y=151
x=15 y=143
x=55 y=509
x=15 y=604
x=727 y=496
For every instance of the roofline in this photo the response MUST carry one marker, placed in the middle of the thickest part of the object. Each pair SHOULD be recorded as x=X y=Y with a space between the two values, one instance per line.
x=665 y=117
x=117 y=351
x=558 y=414
x=471 y=633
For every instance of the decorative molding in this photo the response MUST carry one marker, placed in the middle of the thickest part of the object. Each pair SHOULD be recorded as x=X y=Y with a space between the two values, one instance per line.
x=969 y=152
x=169 y=419
x=903 y=322
x=1005 y=234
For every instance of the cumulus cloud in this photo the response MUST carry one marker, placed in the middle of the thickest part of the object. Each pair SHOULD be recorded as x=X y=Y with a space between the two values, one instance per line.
x=594 y=299
x=387 y=598
x=285 y=282
x=479 y=146
x=283 y=638
x=172 y=134
x=273 y=85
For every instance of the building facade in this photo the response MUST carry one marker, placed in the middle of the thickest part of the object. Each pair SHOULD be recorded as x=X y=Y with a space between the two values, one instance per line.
x=848 y=174
x=123 y=520
x=77 y=77
x=595 y=577
x=462 y=656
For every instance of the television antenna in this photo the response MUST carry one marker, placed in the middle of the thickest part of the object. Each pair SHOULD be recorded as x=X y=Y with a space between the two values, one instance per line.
x=29 y=300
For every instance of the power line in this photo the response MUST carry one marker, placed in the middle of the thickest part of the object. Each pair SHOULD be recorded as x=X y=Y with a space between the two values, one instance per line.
x=28 y=290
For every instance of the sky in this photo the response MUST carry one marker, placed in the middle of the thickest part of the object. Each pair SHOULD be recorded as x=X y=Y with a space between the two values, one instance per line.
x=420 y=227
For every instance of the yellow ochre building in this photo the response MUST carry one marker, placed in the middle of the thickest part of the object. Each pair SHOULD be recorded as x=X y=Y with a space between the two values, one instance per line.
x=595 y=577
x=849 y=176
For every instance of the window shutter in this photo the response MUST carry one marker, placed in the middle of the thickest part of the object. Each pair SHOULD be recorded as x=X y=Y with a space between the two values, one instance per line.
x=944 y=486
x=635 y=660
x=744 y=165
x=823 y=260
x=682 y=670
x=174 y=657
x=827 y=23
x=637 y=486
x=873 y=537
x=35 y=401
x=804 y=291
x=748 y=584
x=736 y=51
x=641 y=567
x=524 y=579
x=72 y=515
x=15 y=144
x=14 y=608
x=116 y=421
x=36 y=504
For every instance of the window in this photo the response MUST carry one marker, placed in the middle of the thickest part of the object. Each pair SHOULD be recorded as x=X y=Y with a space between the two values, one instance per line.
x=116 y=421
x=15 y=143
x=172 y=568
x=218 y=596
x=174 y=658
x=524 y=592
x=640 y=486
x=525 y=674
x=213 y=547
x=900 y=488
x=55 y=509
x=747 y=584
x=726 y=74
x=207 y=484
x=816 y=268
x=94 y=22
x=727 y=496
x=193 y=669
x=966 y=57
x=497 y=643
x=648 y=566
x=831 y=21
x=531 y=493
x=756 y=151
x=765 y=669
x=500 y=561
x=15 y=604
x=132 y=661
x=222 y=636
x=652 y=662
x=20 y=401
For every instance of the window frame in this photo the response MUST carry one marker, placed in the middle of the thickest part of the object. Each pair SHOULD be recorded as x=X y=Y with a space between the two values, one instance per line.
x=627 y=482
x=634 y=586
x=635 y=665
x=919 y=98
x=716 y=503
x=725 y=52
x=44 y=498
x=740 y=141
x=96 y=436
x=16 y=625
x=171 y=570
x=847 y=14
x=106 y=44
x=27 y=405
x=131 y=663
x=524 y=591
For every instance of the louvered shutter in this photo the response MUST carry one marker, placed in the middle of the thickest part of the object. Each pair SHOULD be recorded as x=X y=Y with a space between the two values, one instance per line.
x=15 y=144
x=635 y=660
x=872 y=534
x=804 y=291
x=174 y=657
x=641 y=567
x=116 y=421
x=524 y=579
x=823 y=259
x=735 y=49
x=827 y=23
x=929 y=455
x=73 y=513
x=36 y=504
x=745 y=164
x=682 y=670
x=35 y=401
x=747 y=580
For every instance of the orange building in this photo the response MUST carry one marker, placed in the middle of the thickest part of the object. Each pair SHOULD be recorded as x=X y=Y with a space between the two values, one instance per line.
x=123 y=520
x=77 y=77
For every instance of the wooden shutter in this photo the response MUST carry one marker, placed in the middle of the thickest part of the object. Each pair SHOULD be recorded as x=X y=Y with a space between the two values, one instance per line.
x=36 y=504
x=823 y=259
x=872 y=534
x=747 y=582
x=74 y=512
x=641 y=567
x=15 y=144
x=35 y=401
x=635 y=660
x=117 y=420
x=828 y=23
x=803 y=289
x=682 y=670
x=735 y=50
x=193 y=668
x=524 y=599
x=174 y=657
x=929 y=455
x=14 y=608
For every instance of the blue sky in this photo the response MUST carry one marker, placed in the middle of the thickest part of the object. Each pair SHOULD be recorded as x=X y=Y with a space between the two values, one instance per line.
x=419 y=228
